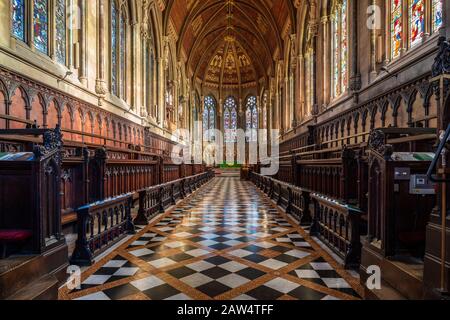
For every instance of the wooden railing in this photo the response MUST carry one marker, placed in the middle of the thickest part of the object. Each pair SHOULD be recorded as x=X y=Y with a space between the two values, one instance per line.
x=156 y=199
x=339 y=226
x=292 y=199
x=100 y=225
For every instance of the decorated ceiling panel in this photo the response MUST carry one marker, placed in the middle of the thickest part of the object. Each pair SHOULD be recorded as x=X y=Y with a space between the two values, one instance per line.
x=230 y=41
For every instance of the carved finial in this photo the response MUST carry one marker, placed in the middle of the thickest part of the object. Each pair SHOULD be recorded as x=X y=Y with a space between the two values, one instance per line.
x=441 y=63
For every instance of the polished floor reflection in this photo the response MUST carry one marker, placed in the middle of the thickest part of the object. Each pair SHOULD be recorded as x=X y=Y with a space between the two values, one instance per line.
x=228 y=241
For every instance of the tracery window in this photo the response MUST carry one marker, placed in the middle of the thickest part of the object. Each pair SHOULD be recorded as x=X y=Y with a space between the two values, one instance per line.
x=18 y=19
x=60 y=31
x=40 y=25
x=340 y=48
x=251 y=116
x=230 y=120
x=209 y=117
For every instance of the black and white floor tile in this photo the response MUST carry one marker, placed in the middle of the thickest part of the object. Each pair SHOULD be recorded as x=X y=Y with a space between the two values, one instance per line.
x=227 y=241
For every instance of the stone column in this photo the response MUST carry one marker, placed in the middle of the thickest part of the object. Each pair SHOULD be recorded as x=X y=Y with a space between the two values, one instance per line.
x=355 y=77
x=445 y=30
x=136 y=49
x=100 y=83
x=82 y=75
x=161 y=87
x=326 y=60
x=301 y=89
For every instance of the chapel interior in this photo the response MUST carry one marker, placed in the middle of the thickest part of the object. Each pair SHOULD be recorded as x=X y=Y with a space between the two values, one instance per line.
x=137 y=139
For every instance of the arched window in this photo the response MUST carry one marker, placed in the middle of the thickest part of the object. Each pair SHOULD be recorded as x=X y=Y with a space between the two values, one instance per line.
x=18 y=19
x=251 y=117
x=118 y=50
x=437 y=14
x=230 y=119
x=60 y=31
x=209 y=116
x=40 y=25
x=417 y=21
x=48 y=27
x=423 y=17
x=340 y=48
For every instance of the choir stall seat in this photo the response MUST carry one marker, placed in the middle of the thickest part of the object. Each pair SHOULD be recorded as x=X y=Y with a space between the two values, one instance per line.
x=15 y=237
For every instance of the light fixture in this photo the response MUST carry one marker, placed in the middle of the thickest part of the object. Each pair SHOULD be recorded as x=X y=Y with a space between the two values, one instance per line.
x=68 y=74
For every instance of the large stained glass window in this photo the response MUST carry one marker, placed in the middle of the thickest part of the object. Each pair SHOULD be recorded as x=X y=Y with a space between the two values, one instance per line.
x=437 y=14
x=40 y=25
x=230 y=120
x=60 y=30
x=396 y=28
x=417 y=21
x=251 y=116
x=114 y=38
x=122 y=55
x=340 y=48
x=209 y=117
x=18 y=19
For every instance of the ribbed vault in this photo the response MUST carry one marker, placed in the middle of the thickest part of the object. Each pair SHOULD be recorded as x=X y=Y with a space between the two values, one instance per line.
x=244 y=33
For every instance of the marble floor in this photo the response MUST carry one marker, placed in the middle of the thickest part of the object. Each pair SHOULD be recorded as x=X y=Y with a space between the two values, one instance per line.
x=226 y=242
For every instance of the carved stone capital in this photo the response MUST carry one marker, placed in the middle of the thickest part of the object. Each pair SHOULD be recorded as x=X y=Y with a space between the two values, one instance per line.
x=100 y=87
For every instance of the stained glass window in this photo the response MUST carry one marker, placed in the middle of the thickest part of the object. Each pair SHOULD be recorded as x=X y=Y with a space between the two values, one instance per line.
x=18 y=19
x=251 y=116
x=396 y=28
x=340 y=49
x=113 y=47
x=209 y=116
x=40 y=25
x=437 y=14
x=122 y=54
x=417 y=21
x=344 y=47
x=230 y=120
x=60 y=30
x=336 y=57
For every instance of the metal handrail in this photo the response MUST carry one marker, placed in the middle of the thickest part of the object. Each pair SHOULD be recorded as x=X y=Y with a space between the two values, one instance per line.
x=434 y=163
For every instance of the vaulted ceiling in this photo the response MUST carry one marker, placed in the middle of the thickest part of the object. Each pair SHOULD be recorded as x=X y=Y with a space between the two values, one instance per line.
x=228 y=42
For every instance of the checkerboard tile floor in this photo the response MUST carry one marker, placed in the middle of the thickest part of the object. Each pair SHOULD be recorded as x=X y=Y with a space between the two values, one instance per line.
x=226 y=242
